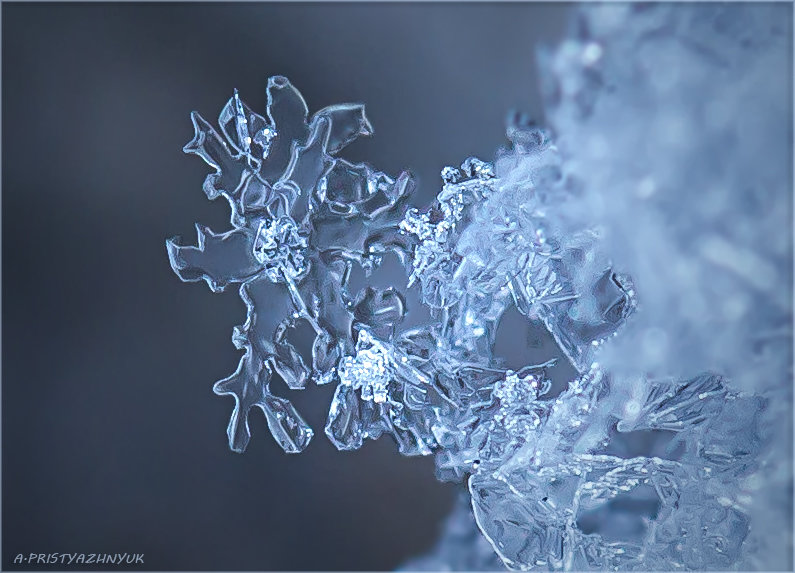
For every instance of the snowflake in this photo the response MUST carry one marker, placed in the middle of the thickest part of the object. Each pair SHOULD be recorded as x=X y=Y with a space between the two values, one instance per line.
x=300 y=219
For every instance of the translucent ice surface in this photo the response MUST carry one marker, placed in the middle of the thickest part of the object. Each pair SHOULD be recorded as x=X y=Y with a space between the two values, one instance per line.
x=650 y=237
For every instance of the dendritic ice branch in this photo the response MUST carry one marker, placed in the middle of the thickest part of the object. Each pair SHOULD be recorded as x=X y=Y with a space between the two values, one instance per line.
x=642 y=244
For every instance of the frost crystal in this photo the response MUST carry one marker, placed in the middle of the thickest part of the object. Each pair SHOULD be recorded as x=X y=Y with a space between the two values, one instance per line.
x=300 y=219
x=652 y=259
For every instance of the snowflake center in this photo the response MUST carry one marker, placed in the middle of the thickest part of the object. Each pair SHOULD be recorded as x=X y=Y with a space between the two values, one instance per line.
x=280 y=248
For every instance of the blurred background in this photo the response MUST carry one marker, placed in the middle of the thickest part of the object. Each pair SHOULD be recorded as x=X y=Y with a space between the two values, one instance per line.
x=112 y=438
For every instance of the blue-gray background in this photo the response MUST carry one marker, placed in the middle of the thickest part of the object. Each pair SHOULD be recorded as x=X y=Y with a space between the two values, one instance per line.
x=112 y=438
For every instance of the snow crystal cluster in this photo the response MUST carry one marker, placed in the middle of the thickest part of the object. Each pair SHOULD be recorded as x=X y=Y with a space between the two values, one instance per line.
x=652 y=240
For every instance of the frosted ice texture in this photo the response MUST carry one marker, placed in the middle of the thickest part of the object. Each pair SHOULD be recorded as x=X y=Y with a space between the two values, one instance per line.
x=675 y=128
x=654 y=246
x=682 y=118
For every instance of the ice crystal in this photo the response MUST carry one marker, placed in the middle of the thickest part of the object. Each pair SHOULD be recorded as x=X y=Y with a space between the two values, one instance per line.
x=300 y=218
x=663 y=280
